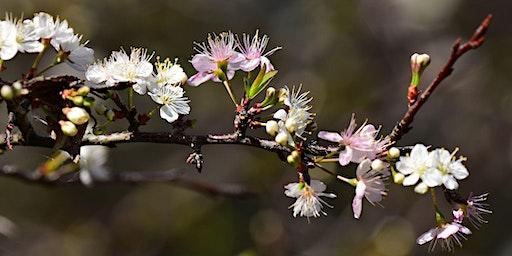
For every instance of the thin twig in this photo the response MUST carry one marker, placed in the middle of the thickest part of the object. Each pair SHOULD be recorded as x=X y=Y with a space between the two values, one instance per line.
x=458 y=49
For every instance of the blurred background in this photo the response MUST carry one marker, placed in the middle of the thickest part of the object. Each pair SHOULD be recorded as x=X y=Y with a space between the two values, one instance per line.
x=354 y=57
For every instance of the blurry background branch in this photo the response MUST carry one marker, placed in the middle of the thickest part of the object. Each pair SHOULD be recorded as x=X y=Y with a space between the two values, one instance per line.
x=131 y=178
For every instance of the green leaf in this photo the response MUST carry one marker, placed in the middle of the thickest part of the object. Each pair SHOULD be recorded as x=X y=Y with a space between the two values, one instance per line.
x=258 y=88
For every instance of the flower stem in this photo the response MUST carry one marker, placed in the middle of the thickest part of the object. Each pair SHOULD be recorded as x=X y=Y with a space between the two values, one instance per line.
x=48 y=68
x=39 y=57
x=321 y=159
x=130 y=98
x=230 y=92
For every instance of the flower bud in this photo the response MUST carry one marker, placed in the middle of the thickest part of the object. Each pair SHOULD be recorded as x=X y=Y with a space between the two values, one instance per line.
x=421 y=188
x=83 y=91
x=293 y=158
x=419 y=62
x=68 y=128
x=282 y=94
x=76 y=115
x=100 y=109
x=291 y=125
x=7 y=92
x=272 y=128
x=378 y=165
x=271 y=91
x=77 y=100
x=110 y=115
x=18 y=89
x=282 y=138
x=88 y=102
x=393 y=153
x=398 y=178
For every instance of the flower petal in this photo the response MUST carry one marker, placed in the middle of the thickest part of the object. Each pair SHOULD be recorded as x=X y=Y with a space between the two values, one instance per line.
x=345 y=156
x=199 y=78
x=167 y=113
x=411 y=179
x=330 y=136
x=203 y=63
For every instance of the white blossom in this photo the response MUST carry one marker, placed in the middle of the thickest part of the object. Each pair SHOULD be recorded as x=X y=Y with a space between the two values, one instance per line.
x=27 y=38
x=169 y=73
x=419 y=165
x=79 y=56
x=121 y=67
x=173 y=101
x=450 y=169
x=308 y=203
x=8 y=44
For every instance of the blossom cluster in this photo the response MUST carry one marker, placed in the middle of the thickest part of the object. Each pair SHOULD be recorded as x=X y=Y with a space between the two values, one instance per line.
x=223 y=54
x=36 y=34
x=161 y=81
x=435 y=168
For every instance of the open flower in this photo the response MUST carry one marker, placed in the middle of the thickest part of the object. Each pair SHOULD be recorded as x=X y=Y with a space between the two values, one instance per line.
x=451 y=170
x=370 y=184
x=296 y=98
x=78 y=57
x=359 y=144
x=419 y=165
x=93 y=164
x=121 y=67
x=44 y=25
x=173 y=101
x=217 y=58
x=476 y=208
x=308 y=203
x=449 y=234
x=61 y=33
x=8 y=45
x=27 y=38
x=169 y=73
x=253 y=51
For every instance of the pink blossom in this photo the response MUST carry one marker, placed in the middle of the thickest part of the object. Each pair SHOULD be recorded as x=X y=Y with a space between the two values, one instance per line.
x=476 y=208
x=359 y=144
x=450 y=234
x=370 y=184
x=213 y=58
x=253 y=51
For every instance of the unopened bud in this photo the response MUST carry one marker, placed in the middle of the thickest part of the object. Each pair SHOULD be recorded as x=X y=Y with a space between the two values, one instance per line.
x=282 y=94
x=282 y=138
x=83 y=91
x=398 y=178
x=76 y=115
x=110 y=115
x=68 y=128
x=77 y=100
x=18 y=89
x=272 y=127
x=378 y=165
x=421 y=188
x=7 y=92
x=419 y=62
x=100 y=109
x=291 y=125
x=88 y=102
x=293 y=158
x=271 y=91
x=393 y=153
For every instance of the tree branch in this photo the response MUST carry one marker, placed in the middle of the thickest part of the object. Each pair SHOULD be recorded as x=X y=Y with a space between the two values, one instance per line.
x=458 y=49
x=133 y=178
